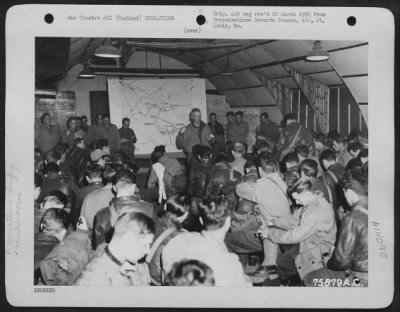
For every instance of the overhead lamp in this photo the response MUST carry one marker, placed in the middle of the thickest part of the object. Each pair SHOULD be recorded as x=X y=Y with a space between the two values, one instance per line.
x=107 y=50
x=317 y=54
x=87 y=73
x=227 y=69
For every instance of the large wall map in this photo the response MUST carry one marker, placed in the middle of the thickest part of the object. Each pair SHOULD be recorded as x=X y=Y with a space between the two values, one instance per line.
x=157 y=108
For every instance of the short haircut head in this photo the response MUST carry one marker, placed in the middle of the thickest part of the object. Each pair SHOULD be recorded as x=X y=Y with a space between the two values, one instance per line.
x=353 y=135
x=300 y=186
x=213 y=212
x=363 y=153
x=356 y=180
x=83 y=117
x=125 y=119
x=264 y=115
x=195 y=110
x=320 y=137
x=118 y=158
x=157 y=153
x=340 y=140
x=133 y=221
x=239 y=113
x=54 y=220
x=204 y=152
x=212 y=114
x=263 y=146
x=56 y=197
x=190 y=273
x=51 y=168
x=70 y=119
x=328 y=155
x=109 y=172
x=333 y=135
x=43 y=117
x=230 y=113
x=354 y=164
x=124 y=177
x=266 y=162
x=94 y=171
x=291 y=158
x=302 y=150
x=309 y=167
x=78 y=141
x=355 y=146
x=100 y=144
x=61 y=148
x=175 y=207
x=52 y=156
x=291 y=161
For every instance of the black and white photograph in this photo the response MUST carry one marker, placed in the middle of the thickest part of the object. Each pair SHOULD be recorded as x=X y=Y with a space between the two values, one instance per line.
x=161 y=162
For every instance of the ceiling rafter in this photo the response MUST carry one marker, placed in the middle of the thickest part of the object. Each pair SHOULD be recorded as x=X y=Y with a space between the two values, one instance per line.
x=231 y=53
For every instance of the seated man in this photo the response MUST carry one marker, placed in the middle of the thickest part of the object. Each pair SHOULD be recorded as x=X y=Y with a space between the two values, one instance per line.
x=333 y=173
x=126 y=199
x=302 y=152
x=167 y=172
x=239 y=160
x=309 y=170
x=117 y=264
x=208 y=246
x=77 y=159
x=349 y=262
x=342 y=154
x=100 y=149
x=222 y=180
x=269 y=192
x=199 y=172
x=54 y=179
x=54 y=199
x=315 y=231
x=98 y=199
x=93 y=176
x=53 y=228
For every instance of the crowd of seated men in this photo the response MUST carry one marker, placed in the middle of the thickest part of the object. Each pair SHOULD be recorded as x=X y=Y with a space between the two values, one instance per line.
x=228 y=217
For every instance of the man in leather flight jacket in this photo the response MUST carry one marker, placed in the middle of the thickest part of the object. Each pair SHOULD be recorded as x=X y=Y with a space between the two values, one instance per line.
x=126 y=200
x=349 y=261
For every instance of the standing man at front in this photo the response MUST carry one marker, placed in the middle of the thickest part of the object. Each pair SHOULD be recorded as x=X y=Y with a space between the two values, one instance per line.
x=112 y=134
x=197 y=132
x=128 y=138
x=239 y=129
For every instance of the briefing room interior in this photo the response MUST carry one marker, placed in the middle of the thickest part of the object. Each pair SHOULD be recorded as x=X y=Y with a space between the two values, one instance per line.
x=200 y=162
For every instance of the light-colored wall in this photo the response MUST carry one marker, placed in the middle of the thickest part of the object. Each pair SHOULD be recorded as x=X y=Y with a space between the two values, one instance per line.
x=139 y=59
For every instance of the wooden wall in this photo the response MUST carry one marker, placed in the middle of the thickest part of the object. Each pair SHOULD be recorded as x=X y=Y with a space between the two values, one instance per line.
x=343 y=112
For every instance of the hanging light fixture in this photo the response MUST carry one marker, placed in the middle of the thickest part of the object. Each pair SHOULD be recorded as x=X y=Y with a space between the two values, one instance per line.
x=317 y=54
x=108 y=50
x=86 y=73
x=228 y=69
